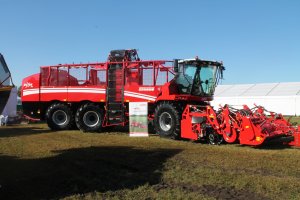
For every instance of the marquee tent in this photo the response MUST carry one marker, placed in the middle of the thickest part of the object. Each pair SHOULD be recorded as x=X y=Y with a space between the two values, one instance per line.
x=278 y=97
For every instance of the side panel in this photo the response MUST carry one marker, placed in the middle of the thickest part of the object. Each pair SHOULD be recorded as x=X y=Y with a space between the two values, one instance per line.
x=30 y=95
x=86 y=83
x=136 y=93
x=73 y=94
x=89 y=93
x=49 y=93
x=30 y=88
x=54 y=82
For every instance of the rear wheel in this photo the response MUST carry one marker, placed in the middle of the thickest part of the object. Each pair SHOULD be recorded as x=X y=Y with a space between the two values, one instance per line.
x=59 y=117
x=89 y=118
x=167 y=120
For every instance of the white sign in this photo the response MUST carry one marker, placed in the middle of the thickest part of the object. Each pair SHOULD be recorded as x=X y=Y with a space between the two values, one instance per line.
x=138 y=119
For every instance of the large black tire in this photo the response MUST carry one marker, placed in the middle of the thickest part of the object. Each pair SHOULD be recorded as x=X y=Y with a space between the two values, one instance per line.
x=89 y=117
x=167 y=120
x=59 y=117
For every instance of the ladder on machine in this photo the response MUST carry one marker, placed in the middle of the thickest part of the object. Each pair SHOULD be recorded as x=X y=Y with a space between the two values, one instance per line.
x=115 y=113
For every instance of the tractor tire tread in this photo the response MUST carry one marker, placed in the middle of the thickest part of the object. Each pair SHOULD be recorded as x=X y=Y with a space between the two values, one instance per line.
x=57 y=106
x=175 y=112
x=78 y=118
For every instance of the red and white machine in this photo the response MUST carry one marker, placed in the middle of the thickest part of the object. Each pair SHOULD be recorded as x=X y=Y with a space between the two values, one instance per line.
x=96 y=95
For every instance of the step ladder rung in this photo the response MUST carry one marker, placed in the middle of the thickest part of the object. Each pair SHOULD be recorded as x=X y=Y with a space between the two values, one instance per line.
x=115 y=94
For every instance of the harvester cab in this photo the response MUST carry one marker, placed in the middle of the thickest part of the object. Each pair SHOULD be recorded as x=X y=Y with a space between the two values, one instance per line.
x=197 y=77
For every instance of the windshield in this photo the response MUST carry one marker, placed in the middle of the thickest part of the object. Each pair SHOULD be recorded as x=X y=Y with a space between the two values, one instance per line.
x=196 y=80
x=205 y=81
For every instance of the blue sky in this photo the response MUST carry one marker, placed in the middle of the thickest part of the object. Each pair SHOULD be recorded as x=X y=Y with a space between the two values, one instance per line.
x=258 y=40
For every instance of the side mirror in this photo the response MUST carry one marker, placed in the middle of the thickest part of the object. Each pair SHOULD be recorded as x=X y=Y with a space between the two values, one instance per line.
x=175 y=64
x=222 y=69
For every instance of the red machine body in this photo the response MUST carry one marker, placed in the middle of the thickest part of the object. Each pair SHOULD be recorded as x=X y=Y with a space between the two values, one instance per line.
x=93 y=96
x=58 y=93
x=244 y=126
x=55 y=83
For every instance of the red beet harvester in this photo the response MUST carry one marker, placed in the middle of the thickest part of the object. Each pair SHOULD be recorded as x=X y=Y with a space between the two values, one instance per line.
x=93 y=96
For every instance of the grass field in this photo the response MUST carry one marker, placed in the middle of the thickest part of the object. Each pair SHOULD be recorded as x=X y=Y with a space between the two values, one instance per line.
x=36 y=163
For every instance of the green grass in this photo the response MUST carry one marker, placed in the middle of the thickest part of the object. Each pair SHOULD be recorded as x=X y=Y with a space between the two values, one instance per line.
x=36 y=163
x=293 y=119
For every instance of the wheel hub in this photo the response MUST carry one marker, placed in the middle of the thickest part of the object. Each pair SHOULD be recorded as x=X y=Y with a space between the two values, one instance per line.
x=91 y=118
x=59 y=117
x=165 y=121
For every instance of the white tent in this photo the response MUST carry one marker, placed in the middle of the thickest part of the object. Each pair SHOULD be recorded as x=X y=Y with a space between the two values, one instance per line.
x=278 y=97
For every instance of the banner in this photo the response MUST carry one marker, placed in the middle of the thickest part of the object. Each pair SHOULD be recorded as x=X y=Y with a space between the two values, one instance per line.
x=138 y=119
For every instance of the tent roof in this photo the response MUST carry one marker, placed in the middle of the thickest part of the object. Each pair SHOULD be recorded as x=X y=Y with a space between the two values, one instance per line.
x=260 y=89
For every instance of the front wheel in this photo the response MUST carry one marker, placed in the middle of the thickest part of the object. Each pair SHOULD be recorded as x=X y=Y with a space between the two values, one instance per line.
x=213 y=138
x=167 y=120
x=89 y=118
x=59 y=117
